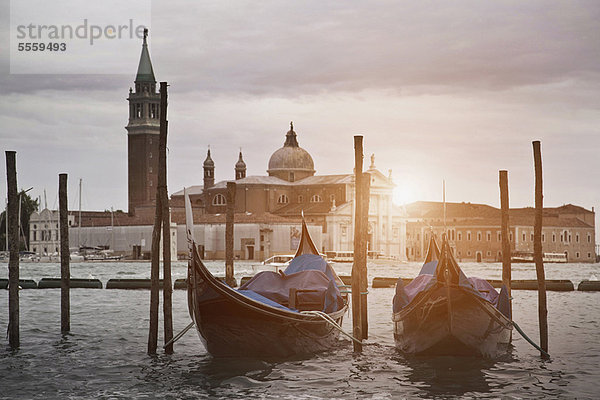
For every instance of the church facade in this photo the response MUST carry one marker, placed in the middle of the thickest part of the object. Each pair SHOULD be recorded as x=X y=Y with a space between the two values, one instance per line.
x=291 y=188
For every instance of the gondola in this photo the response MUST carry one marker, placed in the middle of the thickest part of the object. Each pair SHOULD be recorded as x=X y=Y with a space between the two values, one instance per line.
x=442 y=312
x=272 y=316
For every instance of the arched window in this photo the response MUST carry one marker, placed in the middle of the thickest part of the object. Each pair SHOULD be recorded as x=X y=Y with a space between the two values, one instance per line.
x=300 y=199
x=219 y=200
x=316 y=199
x=283 y=199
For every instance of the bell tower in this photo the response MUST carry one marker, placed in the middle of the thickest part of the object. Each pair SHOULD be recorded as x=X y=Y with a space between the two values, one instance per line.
x=209 y=171
x=142 y=134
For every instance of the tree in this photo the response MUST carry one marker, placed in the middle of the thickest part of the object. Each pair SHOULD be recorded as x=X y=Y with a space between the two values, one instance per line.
x=28 y=206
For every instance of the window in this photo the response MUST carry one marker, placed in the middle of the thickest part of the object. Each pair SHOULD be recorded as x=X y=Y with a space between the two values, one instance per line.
x=532 y=237
x=283 y=199
x=577 y=255
x=577 y=237
x=292 y=177
x=524 y=236
x=219 y=200
x=561 y=237
x=332 y=198
x=489 y=253
x=589 y=238
x=510 y=237
x=34 y=226
x=589 y=255
x=150 y=182
x=489 y=237
x=459 y=234
x=316 y=199
x=469 y=253
x=300 y=199
x=553 y=237
x=499 y=236
x=469 y=236
x=479 y=236
x=138 y=111
x=543 y=237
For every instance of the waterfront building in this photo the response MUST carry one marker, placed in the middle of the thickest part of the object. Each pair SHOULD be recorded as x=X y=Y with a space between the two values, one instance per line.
x=474 y=230
x=291 y=188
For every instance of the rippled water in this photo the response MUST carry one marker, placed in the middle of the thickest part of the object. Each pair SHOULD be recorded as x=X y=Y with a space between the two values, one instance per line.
x=104 y=355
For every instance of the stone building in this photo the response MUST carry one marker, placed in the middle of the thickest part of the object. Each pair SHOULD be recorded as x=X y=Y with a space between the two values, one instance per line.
x=474 y=230
x=290 y=188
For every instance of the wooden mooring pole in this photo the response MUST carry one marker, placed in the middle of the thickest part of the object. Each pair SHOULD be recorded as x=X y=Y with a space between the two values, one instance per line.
x=166 y=221
x=360 y=251
x=229 y=221
x=12 y=221
x=364 y=284
x=504 y=231
x=537 y=248
x=65 y=273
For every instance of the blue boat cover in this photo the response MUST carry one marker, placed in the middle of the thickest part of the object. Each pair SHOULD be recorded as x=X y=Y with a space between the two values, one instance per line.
x=276 y=288
x=255 y=296
x=427 y=279
x=310 y=262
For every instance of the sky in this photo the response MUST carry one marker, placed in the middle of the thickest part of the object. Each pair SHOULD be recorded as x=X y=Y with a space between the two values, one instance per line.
x=452 y=91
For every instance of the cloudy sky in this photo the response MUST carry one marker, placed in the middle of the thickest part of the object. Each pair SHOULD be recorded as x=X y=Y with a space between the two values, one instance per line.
x=440 y=90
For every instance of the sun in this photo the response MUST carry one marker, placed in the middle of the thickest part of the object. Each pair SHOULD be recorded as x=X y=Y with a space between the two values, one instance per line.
x=404 y=192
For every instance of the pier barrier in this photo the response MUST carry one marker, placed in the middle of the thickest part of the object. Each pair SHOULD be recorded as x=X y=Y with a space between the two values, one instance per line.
x=74 y=283
x=589 y=286
x=182 y=283
x=131 y=284
x=556 y=285
x=23 y=283
x=382 y=282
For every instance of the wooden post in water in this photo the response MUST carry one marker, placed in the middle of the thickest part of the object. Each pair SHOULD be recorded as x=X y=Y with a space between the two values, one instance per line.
x=537 y=247
x=65 y=273
x=229 y=220
x=504 y=231
x=156 y=233
x=166 y=220
x=12 y=221
x=364 y=285
x=358 y=239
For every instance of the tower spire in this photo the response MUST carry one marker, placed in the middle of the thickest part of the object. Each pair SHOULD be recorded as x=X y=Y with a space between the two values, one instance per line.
x=145 y=73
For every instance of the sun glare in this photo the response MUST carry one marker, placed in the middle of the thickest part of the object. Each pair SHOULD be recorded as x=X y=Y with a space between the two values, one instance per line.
x=404 y=193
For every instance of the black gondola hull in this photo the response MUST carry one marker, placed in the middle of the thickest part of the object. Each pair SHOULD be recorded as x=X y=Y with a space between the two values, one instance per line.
x=451 y=321
x=230 y=324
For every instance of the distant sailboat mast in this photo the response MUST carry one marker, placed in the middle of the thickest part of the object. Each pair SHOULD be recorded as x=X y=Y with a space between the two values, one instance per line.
x=79 y=220
x=444 y=200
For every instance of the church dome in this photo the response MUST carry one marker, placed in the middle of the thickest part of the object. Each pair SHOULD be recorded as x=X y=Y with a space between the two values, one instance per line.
x=291 y=162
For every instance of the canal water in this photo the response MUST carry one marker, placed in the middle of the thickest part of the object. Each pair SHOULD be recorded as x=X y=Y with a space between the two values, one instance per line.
x=104 y=356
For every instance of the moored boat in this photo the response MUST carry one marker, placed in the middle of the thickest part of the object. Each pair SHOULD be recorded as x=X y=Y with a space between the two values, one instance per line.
x=442 y=312
x=527 y=257
x=274 y=315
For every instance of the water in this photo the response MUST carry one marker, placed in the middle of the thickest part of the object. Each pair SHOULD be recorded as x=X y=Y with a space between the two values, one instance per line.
x=104 y=355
